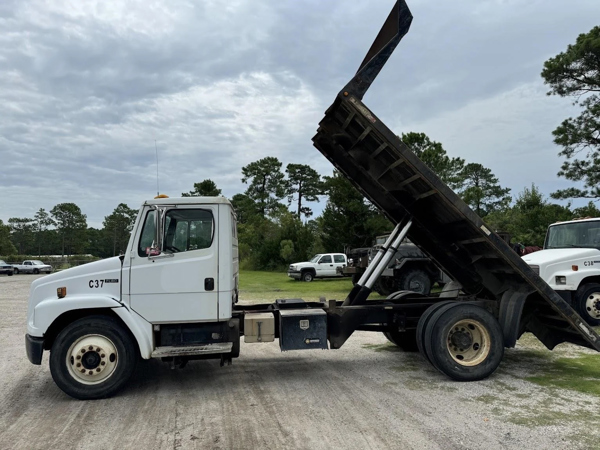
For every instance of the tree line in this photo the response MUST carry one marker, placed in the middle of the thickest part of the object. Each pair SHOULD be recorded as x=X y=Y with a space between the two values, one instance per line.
x=276 y=225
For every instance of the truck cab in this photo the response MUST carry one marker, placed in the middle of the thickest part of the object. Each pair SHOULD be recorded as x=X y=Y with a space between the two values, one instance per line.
x=171 y=293
x=570 y=264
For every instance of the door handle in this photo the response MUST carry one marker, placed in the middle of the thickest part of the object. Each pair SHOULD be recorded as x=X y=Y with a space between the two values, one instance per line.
x=209 y=284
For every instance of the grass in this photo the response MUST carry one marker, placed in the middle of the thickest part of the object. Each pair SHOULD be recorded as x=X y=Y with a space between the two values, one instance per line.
x=258 y=286
x=581 y=374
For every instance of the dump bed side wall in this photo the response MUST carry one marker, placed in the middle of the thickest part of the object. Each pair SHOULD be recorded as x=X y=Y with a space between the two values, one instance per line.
x=391 y=176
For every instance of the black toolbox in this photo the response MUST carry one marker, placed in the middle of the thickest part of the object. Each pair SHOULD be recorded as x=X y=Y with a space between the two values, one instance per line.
x=302 y=329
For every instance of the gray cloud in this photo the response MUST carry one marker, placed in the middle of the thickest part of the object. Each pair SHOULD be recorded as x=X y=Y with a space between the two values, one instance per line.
x=89 y=86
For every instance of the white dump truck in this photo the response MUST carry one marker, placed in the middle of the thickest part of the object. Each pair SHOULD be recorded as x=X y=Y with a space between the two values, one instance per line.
x=173 y=294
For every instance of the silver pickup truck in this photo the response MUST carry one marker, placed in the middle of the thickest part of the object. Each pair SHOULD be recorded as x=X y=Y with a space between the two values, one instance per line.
x=32 y=266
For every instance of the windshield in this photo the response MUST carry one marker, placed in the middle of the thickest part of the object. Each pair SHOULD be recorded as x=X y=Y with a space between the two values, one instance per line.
x=2 y=263
x=574 y=235
x=315 y=258
x=380 y=240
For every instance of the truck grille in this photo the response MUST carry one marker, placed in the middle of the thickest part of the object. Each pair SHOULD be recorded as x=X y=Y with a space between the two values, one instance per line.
x=536 y=269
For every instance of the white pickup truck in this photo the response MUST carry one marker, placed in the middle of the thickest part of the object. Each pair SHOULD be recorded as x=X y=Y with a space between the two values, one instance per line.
x=570 y=264
x=320 y=266
x=32 y=266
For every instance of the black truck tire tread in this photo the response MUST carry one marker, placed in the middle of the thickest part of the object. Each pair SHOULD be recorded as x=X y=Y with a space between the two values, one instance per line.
x=439 y=328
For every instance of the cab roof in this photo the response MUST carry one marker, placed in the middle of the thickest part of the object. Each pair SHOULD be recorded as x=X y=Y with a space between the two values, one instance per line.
x=188 y=201
x=583 y=219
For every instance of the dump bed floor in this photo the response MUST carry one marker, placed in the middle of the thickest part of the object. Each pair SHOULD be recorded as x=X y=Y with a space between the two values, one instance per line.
x=393 y=178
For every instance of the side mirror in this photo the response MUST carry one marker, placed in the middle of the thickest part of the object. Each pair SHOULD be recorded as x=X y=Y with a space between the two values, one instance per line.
x=152 y=251
x=156 y=248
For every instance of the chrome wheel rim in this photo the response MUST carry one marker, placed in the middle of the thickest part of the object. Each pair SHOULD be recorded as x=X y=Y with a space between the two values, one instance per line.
x=92 y=359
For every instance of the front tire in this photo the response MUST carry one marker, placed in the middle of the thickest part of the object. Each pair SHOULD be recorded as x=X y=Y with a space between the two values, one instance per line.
x=587 y=301
x=16 y=271
x=93 y=358
x=307 y=276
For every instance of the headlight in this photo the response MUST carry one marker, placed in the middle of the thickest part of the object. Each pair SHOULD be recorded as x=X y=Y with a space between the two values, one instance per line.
x=561 y=280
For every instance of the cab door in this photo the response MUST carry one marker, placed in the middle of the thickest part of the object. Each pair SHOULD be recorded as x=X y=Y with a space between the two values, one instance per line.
x=325 y=266
x=180 y=283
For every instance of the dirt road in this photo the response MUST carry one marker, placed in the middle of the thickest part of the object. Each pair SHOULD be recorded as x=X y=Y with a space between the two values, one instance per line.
x=366 y=395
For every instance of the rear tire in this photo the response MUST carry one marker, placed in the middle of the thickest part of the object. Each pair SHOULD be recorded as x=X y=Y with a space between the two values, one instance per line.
x=422 y=326
x=406 y=340
x=415 y=280
x=464 y=342
x=93 y=358
x=10 y=274
x=36 y=271
x=587 y=303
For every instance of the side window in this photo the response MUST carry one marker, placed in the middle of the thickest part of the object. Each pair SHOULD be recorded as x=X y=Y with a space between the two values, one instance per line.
x=148 y=233
x=188 y=229
x=339 y=259
x=325 y=259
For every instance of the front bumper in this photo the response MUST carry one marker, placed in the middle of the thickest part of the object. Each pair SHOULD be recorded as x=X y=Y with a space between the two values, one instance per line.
x=34 y=347
x=294 y=274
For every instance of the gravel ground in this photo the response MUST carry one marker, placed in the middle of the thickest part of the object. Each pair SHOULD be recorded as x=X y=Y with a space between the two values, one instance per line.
x=366 y=395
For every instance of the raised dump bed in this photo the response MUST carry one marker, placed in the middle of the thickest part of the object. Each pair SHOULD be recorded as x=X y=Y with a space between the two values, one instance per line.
x=393 y=178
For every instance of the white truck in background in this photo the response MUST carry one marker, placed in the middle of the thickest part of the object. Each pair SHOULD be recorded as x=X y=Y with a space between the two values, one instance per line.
x=570 y=264
x=323 y=265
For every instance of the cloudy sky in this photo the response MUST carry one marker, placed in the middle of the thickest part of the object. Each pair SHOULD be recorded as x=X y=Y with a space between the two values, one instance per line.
x=89 y=86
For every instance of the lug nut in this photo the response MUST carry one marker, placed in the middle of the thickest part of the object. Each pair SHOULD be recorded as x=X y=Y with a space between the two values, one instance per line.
x=102 y=363
x=102 y=355
x=98 y=349
x=78 y=356
x=90 y=348
x=82 y=370
x=98 y=369
x=91 y=373
x=83 y=350
x=78 y=364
